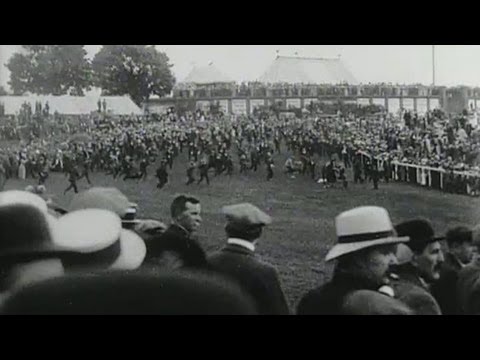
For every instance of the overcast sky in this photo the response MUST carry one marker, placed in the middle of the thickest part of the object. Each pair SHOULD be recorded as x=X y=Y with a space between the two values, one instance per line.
x=456 y=64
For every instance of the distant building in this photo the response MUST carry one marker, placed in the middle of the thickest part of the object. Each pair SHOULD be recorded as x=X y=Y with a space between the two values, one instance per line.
x=296 y=82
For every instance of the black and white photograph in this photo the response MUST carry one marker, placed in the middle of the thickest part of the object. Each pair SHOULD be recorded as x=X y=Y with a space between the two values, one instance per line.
x=239 y=180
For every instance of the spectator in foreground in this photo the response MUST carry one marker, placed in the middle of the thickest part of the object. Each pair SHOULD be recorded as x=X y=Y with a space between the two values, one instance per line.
x=245 y=223
x=176 y=247
x=364 y=252
x=468 y=282
x=460 y=254
x=99 y=242
x=29 y=248
x=413 y=279
x=171 y=293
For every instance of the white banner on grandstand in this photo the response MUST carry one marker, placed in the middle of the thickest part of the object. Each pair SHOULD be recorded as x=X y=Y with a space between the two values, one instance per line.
x=379 y=101
x=408 y=104
x=422 y=106
x=255 y=103
x=223 y=106
x=307 y=102
x=363 y=102
x=434 y=104
x=294 y=103
x=239 y=107
x=394 y=105
x=203 y=105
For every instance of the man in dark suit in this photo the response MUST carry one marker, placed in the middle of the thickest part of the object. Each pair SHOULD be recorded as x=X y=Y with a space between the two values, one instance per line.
x=413 y=279
x=176 y=247
x=237 y=259
x=460 y=246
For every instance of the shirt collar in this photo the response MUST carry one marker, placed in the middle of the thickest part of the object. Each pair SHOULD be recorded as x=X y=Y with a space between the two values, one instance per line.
x=243 y=243
x=456 y=260
x=182 y=228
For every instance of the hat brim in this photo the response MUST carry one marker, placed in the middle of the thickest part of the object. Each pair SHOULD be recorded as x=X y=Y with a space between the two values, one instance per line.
x=132 y=251
x=343 y=249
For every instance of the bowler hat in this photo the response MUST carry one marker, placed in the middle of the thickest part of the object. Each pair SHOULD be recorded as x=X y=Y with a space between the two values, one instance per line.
x=362 y=228
x=420 y=231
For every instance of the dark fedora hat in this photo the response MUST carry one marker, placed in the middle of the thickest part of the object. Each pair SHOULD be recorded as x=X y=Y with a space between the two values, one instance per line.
x=27 y=231
x=133 y=293
x=420 y=231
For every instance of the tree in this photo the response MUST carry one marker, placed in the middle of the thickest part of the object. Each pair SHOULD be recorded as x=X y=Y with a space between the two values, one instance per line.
x=50 y=69
x=3 y=92
x=136 y=70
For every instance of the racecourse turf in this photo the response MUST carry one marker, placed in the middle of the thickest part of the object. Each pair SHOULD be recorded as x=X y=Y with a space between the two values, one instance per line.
x=303 y=212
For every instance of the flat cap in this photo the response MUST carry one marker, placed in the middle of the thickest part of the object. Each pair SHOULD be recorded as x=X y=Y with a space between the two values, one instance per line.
x=246 y=214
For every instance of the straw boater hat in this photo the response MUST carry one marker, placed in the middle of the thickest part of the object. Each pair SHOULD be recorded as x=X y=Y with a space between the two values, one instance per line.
x=99 y=240
x=362 y=228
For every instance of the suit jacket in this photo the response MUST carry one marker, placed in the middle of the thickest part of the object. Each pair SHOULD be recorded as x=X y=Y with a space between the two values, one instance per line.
x=346 y=294
x=468 y=289
x=259 y=279
x=444 y=290
x=411 y=290
x=176 y=243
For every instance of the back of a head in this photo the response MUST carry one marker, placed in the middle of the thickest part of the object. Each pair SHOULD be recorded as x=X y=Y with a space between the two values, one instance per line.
x=173 y=293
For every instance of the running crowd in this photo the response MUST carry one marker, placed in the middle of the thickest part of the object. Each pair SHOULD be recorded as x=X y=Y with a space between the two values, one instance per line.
x=128 y=146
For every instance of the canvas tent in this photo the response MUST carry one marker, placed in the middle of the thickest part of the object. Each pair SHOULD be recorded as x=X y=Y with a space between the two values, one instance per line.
x=72 y=105
x=301 y=70
x=204 y=75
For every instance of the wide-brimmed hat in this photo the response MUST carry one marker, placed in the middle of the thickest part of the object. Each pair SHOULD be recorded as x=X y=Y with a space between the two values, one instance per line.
x=17 y=197
x=27 y=231
x=362 y=228
x=98 y=240
x=104 y=198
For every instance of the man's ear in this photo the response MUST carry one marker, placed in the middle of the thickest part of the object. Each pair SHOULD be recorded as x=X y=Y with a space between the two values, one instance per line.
x=414 y=260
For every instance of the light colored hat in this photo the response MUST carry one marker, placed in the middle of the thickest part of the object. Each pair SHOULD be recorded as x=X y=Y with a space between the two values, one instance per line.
x=361 y=228
x=110 y=199
x=246 y=215
x=17 y=197
x=98 y=235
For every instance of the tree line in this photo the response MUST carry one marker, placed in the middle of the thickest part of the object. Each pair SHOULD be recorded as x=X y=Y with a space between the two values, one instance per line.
x=139 y=71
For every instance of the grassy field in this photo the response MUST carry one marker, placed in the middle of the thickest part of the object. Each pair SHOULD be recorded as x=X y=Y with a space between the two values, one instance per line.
x=303 y=212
